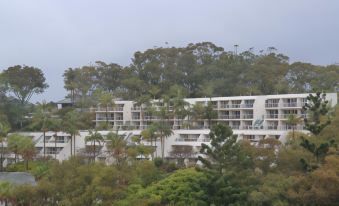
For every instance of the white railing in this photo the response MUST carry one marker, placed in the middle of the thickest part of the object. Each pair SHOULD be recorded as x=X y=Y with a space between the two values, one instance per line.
x=271 y=105
x=292 y=104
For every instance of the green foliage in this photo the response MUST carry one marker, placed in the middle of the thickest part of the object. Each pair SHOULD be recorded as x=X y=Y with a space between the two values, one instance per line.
x=184 y=187
x=318 y=108
x=24 y=81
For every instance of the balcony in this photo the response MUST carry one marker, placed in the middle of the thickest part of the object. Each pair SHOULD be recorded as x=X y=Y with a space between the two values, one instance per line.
x=271 y=105
x=246 y=105
x=229 y=117
x=224 y=106
x=235 y=126
x=272 y=127
x=136 y=108
x=291 y=104
x=104 y=118
x=247 y=116
x=151 y=118
x=272 y=116
x=109 y=109
x=235 y=105
x=186 y=139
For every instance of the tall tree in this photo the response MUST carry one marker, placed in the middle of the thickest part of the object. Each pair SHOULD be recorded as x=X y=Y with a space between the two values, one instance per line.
x=317 y=107
x=4 y=129
x=25 y=81
x=293 y=121
x=94 y=137
x=106 y=100
x=43 y=120
x=71 y=124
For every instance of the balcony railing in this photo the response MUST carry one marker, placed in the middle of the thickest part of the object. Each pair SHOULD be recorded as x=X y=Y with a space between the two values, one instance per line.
x=235 y=105
x=272 y=116
x=186 y=139
x=136 y=108
x=292 y=104
x=229 y=116
x=271 y=105
x=104 y=118
x=246 y=105
x=247 y=116
x=109 y=109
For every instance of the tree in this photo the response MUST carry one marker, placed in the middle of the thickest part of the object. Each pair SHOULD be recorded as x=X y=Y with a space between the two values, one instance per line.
x=117 y=147
x=26 y=149
x=150 y=134
x=293 y=121
x=43 y=120
x=223 y=150
x=94 y=137
x=21 y=145
x=183 y=187
x=71 y=124
x=210 y=113
x=13 y=144
x=222 y=162
x=4 y=129
x=105 y=99
x=25 y=81
x=318 y=108
x=163 y=131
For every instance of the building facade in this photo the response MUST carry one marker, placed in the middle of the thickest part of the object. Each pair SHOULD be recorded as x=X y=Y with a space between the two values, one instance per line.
x=250 y=117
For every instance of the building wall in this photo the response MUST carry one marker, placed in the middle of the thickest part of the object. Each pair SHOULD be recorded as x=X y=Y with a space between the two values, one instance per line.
x=123 y=117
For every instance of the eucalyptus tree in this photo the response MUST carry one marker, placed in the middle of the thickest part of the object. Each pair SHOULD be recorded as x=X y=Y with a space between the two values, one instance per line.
x=25 y=81
x=94 y=137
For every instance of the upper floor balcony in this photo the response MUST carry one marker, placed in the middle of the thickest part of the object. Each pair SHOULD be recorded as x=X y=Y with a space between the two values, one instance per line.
x=271 y=105
x=108 y=109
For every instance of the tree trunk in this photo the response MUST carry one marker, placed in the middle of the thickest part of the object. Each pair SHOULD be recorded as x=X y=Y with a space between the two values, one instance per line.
x=26 y=165
x=94 y=152
x=55 y=145
x=106 y=117
x=74 y=144
x=71 y=145
x=2 y=153
x=44 y=144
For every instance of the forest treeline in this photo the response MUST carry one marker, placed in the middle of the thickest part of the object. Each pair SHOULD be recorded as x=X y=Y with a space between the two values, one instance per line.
x=202 y=69
x=197 y=70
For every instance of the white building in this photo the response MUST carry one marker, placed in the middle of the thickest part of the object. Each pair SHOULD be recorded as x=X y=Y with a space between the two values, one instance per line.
x=250 y=117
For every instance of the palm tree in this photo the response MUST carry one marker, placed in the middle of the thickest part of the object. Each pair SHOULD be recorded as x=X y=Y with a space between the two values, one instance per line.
x=117 y=147
x=150 y=134
x=210 y=113
x=105 y=99
x=56 y=126
x=71 y=124
x=43 y=120
x=293 y=120
x=163 y=131
x=4 y=129
x=94 y=137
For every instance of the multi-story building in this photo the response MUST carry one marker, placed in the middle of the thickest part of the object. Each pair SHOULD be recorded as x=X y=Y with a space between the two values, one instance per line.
x=250 y=117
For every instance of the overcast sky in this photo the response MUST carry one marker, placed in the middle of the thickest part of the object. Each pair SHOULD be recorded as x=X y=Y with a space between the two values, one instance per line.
x=55 y=35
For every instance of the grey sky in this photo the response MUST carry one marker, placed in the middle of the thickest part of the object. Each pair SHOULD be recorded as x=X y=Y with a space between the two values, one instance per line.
x=56 y=35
